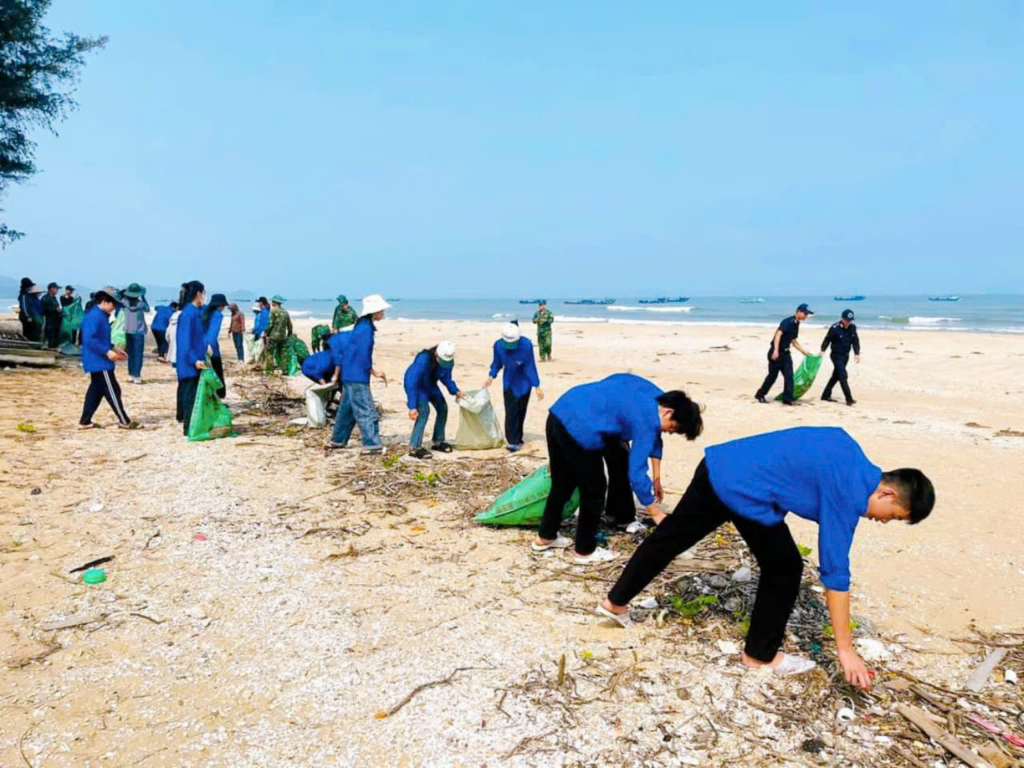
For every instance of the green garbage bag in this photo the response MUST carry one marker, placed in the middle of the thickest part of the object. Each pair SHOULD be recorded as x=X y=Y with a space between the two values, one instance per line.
x=70 y=322
x=523 y=503
x=117 y=335
x=210 y=417
x=319 y=331
x=295 y=352
x=803 y=377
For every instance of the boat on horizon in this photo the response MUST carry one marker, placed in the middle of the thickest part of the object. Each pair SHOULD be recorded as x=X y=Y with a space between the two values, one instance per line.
x=592 y=302
x=943 y=298
x=666 y=300
x=529 y=301
x=758 y=300
x=856 y=297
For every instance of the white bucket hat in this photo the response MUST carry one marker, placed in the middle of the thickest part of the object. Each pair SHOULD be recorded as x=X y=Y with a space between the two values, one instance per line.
x=446 y=351
x=373 y=304
x=511 y=333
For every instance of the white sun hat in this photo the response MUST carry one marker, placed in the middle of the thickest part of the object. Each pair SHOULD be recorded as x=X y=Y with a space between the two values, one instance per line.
x=373 y=304
x=511 y=333
x=446 y=351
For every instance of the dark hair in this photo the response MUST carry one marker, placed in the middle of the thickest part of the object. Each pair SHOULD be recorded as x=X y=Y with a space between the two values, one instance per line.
x=174 y=305
x=263 y=301
x=217 y=301
x=191 y=290
x=914 y=491
x=685 y=413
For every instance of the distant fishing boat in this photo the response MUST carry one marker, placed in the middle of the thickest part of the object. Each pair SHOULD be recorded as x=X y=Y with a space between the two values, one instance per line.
x=391 y=299
x=858 y=297
x=666 y=300
x=530 y=301
x=943 y=298
x=592 y=302
x=758 y=300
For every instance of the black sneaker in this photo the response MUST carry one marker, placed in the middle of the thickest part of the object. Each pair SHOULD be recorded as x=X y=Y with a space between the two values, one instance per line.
x=851 y=401
x=760 y=398
x=827 y=399
x=421 y=453
x=443 y=447
x=790 y=402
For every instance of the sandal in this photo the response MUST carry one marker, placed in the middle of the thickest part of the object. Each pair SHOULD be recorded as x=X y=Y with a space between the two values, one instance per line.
x=560 y=543
x=622 y=619
x=598 y=556
x=88 y=426
x=130 y=425
x=420 y=453
x=443 y=447
x=793 y=665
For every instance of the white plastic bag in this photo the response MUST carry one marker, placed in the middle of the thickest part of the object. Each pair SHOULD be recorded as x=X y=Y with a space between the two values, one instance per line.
x=479 y=428
x=317 y=398
x=253 y=349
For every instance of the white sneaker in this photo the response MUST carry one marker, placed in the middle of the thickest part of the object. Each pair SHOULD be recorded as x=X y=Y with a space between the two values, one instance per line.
x=560 y=543
x=599 y=555
x=793 y=665
x=636 y=527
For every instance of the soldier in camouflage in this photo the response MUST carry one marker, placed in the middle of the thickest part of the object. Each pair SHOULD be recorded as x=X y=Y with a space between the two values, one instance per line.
x=277 y=333
x=543 y=320
x=344 y=315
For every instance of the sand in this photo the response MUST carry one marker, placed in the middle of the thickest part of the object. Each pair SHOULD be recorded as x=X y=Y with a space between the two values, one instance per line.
x=274 y=643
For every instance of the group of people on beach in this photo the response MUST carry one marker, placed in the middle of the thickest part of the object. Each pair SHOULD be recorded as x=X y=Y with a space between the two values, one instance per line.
x=604 y=438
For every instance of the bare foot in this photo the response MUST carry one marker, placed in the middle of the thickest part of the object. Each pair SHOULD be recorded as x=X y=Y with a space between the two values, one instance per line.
x=750 y=661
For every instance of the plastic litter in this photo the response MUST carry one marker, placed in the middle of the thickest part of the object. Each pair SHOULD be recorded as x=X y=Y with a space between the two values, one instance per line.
x=94 y=576
x=479 y=428
x=97 y=507
x=742 y=575
x=317 y=398
x=200 y=537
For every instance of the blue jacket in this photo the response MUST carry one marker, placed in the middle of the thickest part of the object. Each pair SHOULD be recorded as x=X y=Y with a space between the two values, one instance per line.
x=262 y=321
x=163 y=317
x=357 y=352
x=621 y=407
x=190 y=344
x=520 y=367
x=32 y=306
x=421 y=379
x=336 y=344
x=96 y=341
x=319 y=365
x=212 y=333
x=817 y=473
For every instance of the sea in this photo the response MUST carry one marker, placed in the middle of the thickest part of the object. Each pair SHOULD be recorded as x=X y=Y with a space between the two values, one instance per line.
x=988 y=313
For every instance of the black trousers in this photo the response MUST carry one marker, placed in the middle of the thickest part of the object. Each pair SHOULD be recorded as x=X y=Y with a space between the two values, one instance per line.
x=51 y=331
x=31 y=330
x=103 y=386
x=218 y=368
x=574 y=467
x=839 y=377
x=187 y=390
x=698 y=513
x=161 y=342
x=783 y=365
x=515 y=416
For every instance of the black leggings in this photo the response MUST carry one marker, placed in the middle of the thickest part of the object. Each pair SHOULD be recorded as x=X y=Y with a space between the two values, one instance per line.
x=218 y=368
x=515 y=416
x=574 y=467
x=187 y=391
x=698 y=513
x=783 y=365
x=103 y=386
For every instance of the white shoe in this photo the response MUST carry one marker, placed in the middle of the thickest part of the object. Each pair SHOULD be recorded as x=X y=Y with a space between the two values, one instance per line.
x=636 y=527
x=622 y=619
x=599 y=555
x=560 y=543
x=793 y=665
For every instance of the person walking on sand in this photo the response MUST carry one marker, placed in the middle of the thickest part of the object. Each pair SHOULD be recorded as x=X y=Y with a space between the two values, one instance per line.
x=237 y=330
x=513 y=353
x=357 y=406
x=98 y=360
x=617 y=422
x=543 y=319
x=30 y=310
x=277 y=333
x=213 y=319
x=344 y=315
x=190 y=350
x=818 y=473
x=429 y=368
x=779 y=358
x=841 y=336
x=53 y=312
x=259 y=326
x=135 y=310
x=161 y=322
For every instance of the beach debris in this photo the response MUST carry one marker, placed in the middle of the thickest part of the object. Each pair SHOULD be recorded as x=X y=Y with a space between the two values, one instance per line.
x=742 y=575
x=27 y=427
x=648 y=603
x=981 y=674
x=199 y=537
x=940 y=736
x=97 y=507
x=812 y=746
x=92 y=564
x=1010 y=676
x=94 y=576
x=35 y=491
x=728 y=647
x=846 y=715
x=996 y=756
x=426 y=686
x=1008 y=736
x=78 y=620
x=871 y=649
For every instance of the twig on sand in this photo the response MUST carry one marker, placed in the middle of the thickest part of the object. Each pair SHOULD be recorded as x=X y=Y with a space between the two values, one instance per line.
x=432 y=684
x=21 y=746
x=518 y=747
x=136 y=458
x=92 y=563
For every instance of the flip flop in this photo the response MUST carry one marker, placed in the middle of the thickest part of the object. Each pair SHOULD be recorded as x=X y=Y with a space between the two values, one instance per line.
x=560 y=543
x=88 y=426
x=622 y=619
x=793 y=665
x=133 y=425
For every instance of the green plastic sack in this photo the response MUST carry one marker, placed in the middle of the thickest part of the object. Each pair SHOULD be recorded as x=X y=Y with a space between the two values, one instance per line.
x=210 y=417
x=71 y=321
x=803 y=377
x=319 y=331
x=295 y=352
x=117 y=335
x=523 y=503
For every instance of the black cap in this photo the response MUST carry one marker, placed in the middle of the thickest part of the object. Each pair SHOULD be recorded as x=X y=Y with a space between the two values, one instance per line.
x=69 y=287
x=218 y=300
x=52 y=285
x=847 y=314
x=805 y=309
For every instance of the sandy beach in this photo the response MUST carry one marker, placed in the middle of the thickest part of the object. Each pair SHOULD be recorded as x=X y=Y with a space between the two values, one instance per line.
x=291 y=631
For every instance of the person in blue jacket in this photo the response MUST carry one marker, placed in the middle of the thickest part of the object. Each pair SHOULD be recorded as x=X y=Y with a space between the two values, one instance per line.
x=262 y=319
x=98 y=359
x=514 y=353
x=321 y=367
x=617 y=422
x=357 y=405
x=817 y=473
x=190 y=350
x=213 y=319
x=161 y=321
x=429 y=367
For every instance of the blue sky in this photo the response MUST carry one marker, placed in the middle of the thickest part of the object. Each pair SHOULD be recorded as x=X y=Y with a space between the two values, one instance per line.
x=500 y=149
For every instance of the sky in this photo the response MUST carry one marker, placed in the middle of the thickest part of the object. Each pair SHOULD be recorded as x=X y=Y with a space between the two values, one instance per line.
x=477 y=149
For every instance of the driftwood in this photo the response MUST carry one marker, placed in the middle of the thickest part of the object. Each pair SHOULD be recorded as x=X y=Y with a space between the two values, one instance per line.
x=940 y=736
x=981 y=674
x=77 y=620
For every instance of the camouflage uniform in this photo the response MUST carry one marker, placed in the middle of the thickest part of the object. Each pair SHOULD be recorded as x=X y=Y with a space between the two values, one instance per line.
x=319 y=331
x=278 y=331
x=543 y=320
x=343 y=318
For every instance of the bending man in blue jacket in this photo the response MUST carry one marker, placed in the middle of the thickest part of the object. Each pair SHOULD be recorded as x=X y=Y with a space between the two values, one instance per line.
x=819 y=474
x=514 y=353
x=98 y=358
x=588 y=427
x=429 y=367
x=357 y=405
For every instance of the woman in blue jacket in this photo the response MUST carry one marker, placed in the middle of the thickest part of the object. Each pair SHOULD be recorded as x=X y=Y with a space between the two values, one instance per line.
x=421 y=391
x=514 y=354
x=259 y=327
x=98 y=357
x=160 y=324
x=357 y=405
x=190 y=350
x=213 y=318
